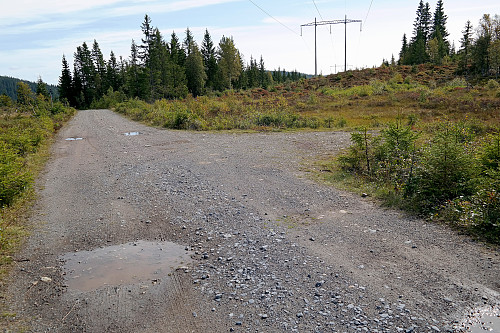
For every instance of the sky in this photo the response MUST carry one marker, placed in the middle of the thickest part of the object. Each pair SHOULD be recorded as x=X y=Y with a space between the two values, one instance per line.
x=35 y=34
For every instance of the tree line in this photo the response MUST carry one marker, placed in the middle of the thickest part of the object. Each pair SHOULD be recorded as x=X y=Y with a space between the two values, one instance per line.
x=9 y=87
x=158 y=69
x=477 y=54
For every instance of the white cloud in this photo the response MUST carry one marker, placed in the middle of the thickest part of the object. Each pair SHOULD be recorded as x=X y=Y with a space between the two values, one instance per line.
x=20 y=11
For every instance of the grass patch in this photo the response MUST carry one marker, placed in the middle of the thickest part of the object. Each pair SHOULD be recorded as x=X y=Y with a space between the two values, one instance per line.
x=369 y=98
x=450 y=172
x=26 y=132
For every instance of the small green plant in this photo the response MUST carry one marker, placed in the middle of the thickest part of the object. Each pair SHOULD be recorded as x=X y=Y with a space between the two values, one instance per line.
x=341 y=122
x=492 y=85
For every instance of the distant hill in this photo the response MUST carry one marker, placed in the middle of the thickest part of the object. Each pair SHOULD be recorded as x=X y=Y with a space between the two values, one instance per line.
x=8 y=86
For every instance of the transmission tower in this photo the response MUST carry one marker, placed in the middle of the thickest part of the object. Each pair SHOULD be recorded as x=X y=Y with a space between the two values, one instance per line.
x=315 y=24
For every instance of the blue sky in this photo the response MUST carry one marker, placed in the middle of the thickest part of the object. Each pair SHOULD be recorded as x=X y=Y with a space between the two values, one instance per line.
x=34 y=34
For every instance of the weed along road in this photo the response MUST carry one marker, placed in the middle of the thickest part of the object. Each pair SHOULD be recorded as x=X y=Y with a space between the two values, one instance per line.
x=138 y=229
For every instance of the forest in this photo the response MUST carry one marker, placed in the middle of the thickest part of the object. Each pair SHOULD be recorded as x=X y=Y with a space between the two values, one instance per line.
x=159 y=69
x=477 y=55
x=425 y=127
x=8 y=87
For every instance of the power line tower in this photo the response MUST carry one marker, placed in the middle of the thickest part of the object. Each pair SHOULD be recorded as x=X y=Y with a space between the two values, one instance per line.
x=315 y=25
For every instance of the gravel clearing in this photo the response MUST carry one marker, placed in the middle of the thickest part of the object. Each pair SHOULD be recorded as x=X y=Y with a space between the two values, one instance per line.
x=272 y=251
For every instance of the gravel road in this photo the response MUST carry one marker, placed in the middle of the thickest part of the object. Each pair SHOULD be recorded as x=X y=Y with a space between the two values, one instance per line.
x=265 y=248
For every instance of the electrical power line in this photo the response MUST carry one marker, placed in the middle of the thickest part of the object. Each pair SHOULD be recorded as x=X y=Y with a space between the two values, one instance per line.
x=369 y=8
x=321 y=16
x=314 y=2
x=295 y=32
x=315 y=24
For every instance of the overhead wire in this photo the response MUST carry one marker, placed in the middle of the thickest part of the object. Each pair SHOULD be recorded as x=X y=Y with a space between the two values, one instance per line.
x=330 y=31
x=295 y=32
x=284 y=25
x=366 y=18
x=369 y=8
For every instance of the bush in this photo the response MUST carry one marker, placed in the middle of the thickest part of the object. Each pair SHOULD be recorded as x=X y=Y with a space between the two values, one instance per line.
x=446 y=170
x=492 y=85
x=13 y=176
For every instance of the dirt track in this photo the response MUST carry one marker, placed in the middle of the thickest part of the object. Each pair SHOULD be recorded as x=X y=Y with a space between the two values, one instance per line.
x=272 y=250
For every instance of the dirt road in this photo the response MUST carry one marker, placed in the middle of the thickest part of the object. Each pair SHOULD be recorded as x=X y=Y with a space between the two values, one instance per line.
x=169 y=231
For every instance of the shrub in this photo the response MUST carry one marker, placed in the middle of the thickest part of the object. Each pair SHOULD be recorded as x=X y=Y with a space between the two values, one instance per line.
x=446 y=170
x=492 y=85
x=458 y=82
x=13 y=176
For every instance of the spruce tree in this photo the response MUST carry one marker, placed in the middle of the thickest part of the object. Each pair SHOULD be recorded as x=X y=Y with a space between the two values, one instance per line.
x=84 y=76
x=100 y=70
x=195 y=71
x=263 y=79
x=209 y=60
x=439 y=31
x=112 y=74
x=403 y=54
x=188 y=42
x=41 y=89
x=417 y=50
x=65 y=84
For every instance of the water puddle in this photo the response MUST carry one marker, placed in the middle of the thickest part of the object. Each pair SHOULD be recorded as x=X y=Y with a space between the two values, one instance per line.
x=122 y=264
x=490 y=323
x=483 y=320
x=131 y=133
x=74 y=139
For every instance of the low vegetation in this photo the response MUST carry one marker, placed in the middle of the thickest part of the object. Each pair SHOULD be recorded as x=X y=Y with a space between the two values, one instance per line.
x=423 y=93
x=423 y=139
x=26 y=128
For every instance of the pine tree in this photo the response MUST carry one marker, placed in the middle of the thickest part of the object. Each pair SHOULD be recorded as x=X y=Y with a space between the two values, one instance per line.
x=417 y=50
x=177 y=85
x=439 y=21
x=195 y=71
x=100 y=70
x=41 y=89
x=84 y=76
x=135 y=82
x=252 y=73
x=188 y=42
x=403 y=54
x=147 y=30
x=440 y=33
x=65 y=84
x=263 y=78
x=209 y=60
x=112 y=74
x=177 y=54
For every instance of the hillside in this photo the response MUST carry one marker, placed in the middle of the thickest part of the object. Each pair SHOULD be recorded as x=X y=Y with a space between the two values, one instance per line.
x=8 y=86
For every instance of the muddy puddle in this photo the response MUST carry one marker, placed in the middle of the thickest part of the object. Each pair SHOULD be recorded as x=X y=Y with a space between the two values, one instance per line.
x=483 y=320
x=489 y=323
x=122 y=264
x=74 y=139
x=131 y=133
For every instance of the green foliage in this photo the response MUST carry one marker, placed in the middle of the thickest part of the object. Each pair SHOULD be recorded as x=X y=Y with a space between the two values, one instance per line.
x=458 y=82
x=21 y=136
x=490 y=153
x=493 y=84
x=454 y=175
x=13 y=177
x=5 y=101
x=447 y=168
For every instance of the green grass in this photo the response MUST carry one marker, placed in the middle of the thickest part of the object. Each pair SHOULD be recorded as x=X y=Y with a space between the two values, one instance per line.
x=369 y=98
x=26 y=133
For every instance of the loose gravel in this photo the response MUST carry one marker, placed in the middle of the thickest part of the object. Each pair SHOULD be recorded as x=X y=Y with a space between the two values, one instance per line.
x=273 y=251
